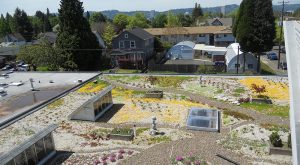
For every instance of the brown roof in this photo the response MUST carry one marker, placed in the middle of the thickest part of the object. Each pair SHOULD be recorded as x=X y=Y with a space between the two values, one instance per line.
x=190 y=30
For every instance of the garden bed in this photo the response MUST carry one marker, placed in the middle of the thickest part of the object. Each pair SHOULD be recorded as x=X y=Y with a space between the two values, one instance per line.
x=263 y=101
x=154 y=94
x=126 y=134
x=280 y=151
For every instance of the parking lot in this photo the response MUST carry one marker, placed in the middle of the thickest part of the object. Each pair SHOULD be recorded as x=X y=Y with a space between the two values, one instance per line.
x=46 y=85
x=273 y=64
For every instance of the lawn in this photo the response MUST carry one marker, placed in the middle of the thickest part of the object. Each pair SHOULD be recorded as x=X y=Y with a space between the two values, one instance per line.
x=269 y=109
x=266 y=70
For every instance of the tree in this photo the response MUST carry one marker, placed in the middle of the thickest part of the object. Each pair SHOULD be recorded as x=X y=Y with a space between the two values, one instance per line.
x=4 y=26
x=297 y=13
x=255 y=28
x=11 y=22
x=197 y=12
x=22 y=24
x=43 y=55
x=88 y=15
x=108 y=35
x=76 y=38
x=159 y=21
x=97 y=17
x=138 y=20
x=121 y=21
x=53 y=20
x=47 y=24
x=185 y=20
x=172 y=21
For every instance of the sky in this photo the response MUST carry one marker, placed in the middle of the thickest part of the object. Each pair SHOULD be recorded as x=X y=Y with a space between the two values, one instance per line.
x=31 y=6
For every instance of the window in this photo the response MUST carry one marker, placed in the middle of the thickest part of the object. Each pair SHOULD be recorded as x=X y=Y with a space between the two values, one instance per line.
x=49 y=145
x=218 y=36
x=201 y=35
x=126 y=35
x=31 y=155
x=225 y=35
x=40 y=149
x=186 y=35
x=21 y=159
x=237 y=65
x=132 y=44
x=121 y=44
x=250 y=66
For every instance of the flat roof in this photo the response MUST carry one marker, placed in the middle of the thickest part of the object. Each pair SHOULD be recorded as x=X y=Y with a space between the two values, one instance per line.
x=61 y=82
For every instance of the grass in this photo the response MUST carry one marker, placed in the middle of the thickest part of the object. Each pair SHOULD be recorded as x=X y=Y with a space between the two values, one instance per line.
x=237 y=115
x=141 y=130
x=269 y=109
x=122 y=131
x=42 y=68
x=239 y=90
x=166 y=81
x=124 y=71
x=56 y=103
x=159 y=139
x=275 y=127
x=266 y=70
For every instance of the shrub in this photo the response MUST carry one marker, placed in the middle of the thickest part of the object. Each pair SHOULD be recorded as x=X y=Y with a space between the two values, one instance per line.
x=258 y=89
x=237 y=115
x=289 y=141
x=244 y=100
x=275 y=140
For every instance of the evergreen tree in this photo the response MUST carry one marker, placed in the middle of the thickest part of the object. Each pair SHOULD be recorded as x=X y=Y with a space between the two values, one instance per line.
x=88 y=15
x=255 y=29
x=47 y=24
x=4 y=26
x=76 y=38
x=97 y=17
x=22 y=24
x=197 y=12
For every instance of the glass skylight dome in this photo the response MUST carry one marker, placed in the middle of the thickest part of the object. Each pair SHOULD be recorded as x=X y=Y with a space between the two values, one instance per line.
x=203 y=120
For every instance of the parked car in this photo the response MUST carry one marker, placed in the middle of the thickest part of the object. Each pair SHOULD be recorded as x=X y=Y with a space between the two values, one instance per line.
x=283 y=65
x=3 y=85
x=272 y=56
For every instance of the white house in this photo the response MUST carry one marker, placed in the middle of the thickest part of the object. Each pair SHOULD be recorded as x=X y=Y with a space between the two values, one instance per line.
x=183 y=50
x=234 y=58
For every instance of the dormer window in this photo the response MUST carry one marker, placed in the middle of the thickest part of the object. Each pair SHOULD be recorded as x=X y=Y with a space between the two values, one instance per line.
x=126 y=35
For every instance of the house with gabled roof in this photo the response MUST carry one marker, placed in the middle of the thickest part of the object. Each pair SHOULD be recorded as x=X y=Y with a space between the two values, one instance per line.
x=208 y=35
x=219 y=22
x=132 y=48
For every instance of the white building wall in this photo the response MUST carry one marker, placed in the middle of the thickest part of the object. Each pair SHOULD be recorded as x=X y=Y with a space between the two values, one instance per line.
x=222 y=38
x=292 y=43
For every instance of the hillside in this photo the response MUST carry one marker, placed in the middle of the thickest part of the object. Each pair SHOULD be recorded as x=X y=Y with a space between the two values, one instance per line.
x=229 y=8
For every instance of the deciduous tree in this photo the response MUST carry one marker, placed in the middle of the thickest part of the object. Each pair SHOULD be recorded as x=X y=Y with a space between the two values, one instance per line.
x=121 y=21
x=159 y=21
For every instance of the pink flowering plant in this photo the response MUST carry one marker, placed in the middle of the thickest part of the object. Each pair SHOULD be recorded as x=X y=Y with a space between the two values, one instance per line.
x=191 y=159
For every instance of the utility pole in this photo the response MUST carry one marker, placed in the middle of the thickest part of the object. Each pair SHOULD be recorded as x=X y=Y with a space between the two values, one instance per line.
x=237 y=61
x=281 y=31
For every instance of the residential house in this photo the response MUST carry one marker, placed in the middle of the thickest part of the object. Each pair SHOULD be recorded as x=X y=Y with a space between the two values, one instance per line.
x=15 y=38
x=132 y=48
x=219 y=22
x=209 y=35
x=235 y=60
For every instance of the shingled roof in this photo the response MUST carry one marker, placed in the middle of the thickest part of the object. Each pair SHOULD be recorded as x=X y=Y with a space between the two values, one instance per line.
x=141 y=33
x=190 y=30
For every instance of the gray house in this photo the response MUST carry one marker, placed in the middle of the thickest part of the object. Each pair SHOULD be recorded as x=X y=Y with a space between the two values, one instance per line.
x=132 y=48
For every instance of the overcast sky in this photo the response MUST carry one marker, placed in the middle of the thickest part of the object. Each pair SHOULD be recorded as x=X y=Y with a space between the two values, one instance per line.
x=31 y=6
